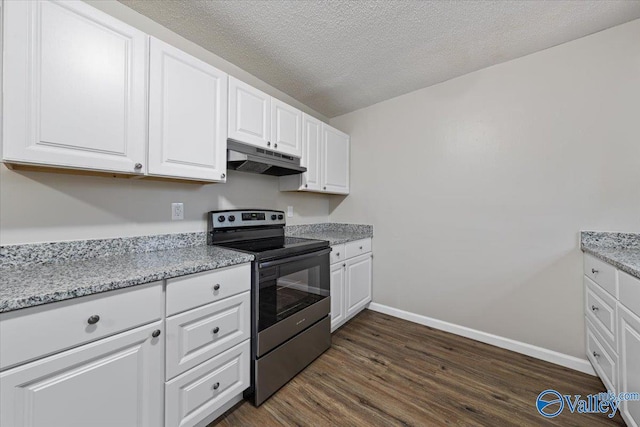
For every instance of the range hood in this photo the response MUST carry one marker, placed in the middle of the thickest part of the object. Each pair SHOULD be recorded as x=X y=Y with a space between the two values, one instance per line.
x=247 y=158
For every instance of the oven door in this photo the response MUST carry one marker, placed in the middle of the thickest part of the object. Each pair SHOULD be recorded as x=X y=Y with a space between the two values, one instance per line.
x=293 y=294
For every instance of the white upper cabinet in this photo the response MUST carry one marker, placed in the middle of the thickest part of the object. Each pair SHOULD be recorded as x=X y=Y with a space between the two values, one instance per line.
x=249 y=114
x=286 y=128
x=335 y=160
x=311 y=152
x=187 y=116
x=258 y=119
x=325 y=154
x=75 y=85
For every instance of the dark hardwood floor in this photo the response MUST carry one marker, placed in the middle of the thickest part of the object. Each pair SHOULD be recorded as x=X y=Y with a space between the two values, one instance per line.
x=383 y=371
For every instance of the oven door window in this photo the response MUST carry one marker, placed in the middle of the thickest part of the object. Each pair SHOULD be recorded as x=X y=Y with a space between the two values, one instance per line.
x=290 y=288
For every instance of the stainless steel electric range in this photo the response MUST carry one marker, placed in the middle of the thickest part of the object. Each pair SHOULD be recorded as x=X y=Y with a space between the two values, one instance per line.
x=290 y=298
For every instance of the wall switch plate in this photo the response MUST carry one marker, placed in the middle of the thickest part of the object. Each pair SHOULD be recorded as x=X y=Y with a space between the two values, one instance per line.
x=177 y=211
x=289 y=211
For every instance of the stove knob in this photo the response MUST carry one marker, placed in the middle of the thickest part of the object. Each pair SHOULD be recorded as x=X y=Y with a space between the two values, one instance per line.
x=273 y=217
x=280 y=216
x=221 y=218
x=232 y=218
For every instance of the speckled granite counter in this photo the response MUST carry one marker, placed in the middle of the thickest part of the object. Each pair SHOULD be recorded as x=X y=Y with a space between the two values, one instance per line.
x=621 y=250
x=335 y=233
x=35 y=283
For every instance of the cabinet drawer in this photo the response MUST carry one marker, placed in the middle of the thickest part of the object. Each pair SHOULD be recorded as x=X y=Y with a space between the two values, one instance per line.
x=198 y=393
x=600 y=308
x=194 y=290
x=357 y=247
x=629 y=292
x=337 y=253
x=199 y=334
x=602 y=357
x=601 y=273
x=39 y=331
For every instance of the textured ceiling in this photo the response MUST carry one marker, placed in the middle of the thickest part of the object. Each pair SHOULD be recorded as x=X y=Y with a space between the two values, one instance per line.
x=338 y=56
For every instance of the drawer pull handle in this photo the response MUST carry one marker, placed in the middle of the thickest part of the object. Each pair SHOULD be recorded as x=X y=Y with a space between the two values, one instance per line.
x=216 y=287
x=596 y=354
x=216 y=386
x=216 y=330
x=156 y=333
x=594 y=271
x=594 y=308
x=93 y=319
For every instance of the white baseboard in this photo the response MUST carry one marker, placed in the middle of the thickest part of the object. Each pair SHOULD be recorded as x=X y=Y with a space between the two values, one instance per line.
x=547 y=355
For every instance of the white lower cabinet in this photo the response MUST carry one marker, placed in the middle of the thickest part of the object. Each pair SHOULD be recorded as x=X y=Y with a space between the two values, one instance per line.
x=629 y=364
x=357 y=288
x=111 y=382
x=337 y=275
x=208 y=346
x=612 y=316
x=103 y=360
x=351 y=280
x=204 y=391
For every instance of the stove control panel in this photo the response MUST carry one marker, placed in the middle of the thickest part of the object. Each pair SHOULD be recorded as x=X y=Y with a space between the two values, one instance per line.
x=245 y=218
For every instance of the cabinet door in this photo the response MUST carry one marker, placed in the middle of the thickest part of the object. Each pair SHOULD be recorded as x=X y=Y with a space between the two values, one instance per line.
x=311 y=152
x=358 y=283
x=286 y=128
x=337 y=295
x=249 y=114
x=629 y=359
x=187 y=115
x=74 y=88
x=335 y=160
x=116 y=381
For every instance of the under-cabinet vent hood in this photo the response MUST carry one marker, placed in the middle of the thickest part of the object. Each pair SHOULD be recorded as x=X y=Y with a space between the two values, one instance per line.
x=246 y=158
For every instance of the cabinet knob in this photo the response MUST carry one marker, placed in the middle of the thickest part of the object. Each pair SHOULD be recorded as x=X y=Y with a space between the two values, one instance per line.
x=224 y=175
x=594 y=271
x=306 y=186
x=216 y=386
x=156 y=333
x=275 y=145
x=216 y=330
x=216 y=287
x=595 y=354
x=360 y=247
x=138 y=166
x=324 y=188
x=594 y=308
x=268 y=143
x=344 y=265
x=93 y=319
x=337 y=253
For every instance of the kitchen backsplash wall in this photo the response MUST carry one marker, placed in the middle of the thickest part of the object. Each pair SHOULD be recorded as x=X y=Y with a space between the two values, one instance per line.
x=42 y=207
x=478 y=187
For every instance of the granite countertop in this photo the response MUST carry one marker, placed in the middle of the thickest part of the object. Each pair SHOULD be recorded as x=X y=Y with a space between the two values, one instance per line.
x=41 y=273
x=37 y=284
x=335 y=233
x=622 y=250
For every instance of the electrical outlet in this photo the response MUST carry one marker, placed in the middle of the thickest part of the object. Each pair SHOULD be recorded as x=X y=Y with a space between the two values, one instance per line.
x=177 y=211
x=289 y=211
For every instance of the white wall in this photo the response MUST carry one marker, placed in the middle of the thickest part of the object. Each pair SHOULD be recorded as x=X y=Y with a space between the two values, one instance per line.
x=38 y=207
x=477 y=187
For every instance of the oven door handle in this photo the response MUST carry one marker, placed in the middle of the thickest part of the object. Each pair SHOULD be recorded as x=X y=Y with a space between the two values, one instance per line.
x=294 y=259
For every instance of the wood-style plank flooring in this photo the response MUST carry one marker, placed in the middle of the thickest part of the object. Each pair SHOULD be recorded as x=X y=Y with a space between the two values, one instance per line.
x=384 y=371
